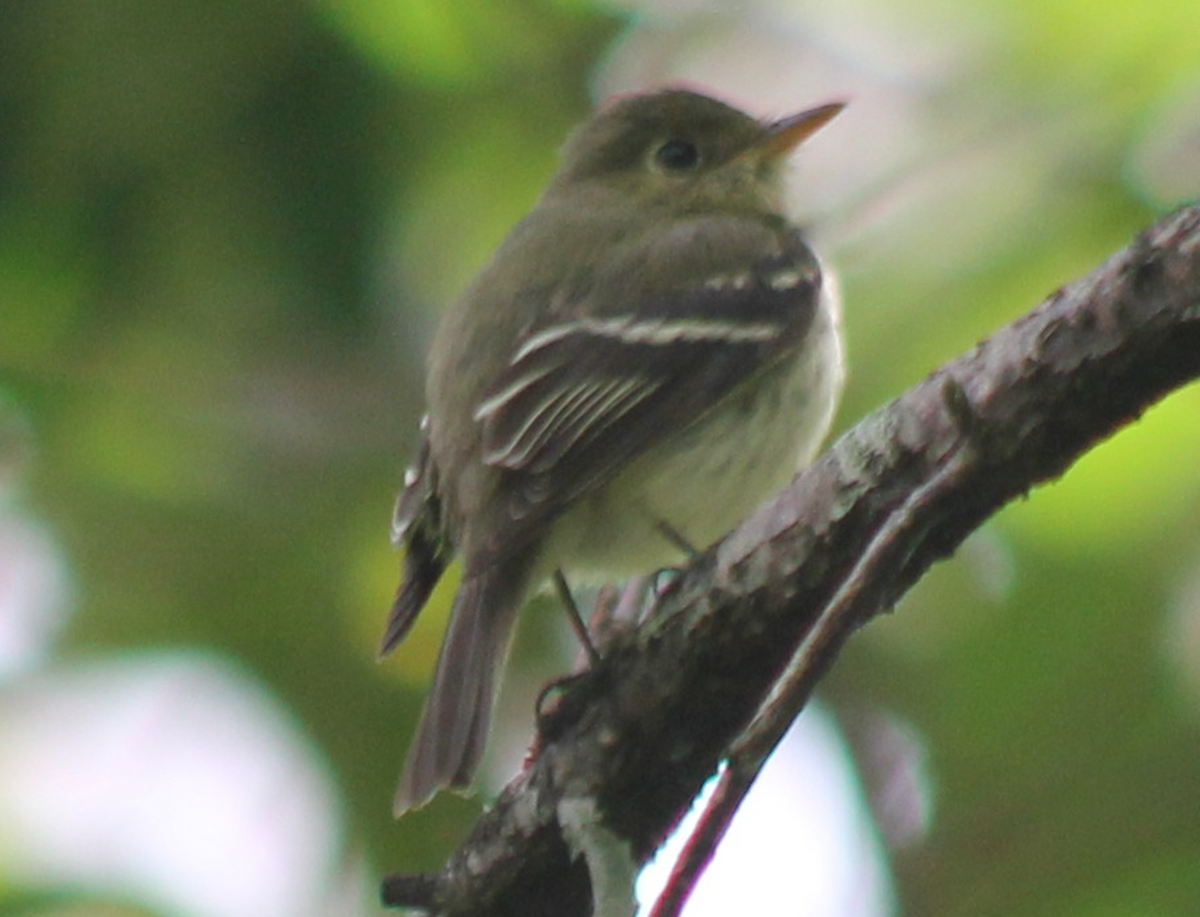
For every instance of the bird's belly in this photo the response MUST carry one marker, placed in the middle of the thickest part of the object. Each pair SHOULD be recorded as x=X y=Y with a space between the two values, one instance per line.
x=708 y=478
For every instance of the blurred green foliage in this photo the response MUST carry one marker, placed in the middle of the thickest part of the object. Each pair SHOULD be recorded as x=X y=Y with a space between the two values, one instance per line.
x=225 y=230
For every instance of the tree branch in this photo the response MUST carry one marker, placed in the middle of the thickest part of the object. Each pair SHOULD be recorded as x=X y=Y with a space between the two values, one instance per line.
x=639 y=738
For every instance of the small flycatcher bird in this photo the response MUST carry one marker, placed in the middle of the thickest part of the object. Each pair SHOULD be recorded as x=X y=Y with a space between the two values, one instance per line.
x=652 y=349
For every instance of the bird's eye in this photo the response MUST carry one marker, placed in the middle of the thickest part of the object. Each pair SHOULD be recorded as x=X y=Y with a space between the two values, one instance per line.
x=677 y=156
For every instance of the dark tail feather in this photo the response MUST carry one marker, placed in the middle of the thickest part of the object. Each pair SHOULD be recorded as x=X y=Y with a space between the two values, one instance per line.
x=424 y=564
x=454 y=724
x=416 y=524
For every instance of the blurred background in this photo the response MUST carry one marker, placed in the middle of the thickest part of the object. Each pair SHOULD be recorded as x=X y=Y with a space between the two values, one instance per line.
x=226 y=229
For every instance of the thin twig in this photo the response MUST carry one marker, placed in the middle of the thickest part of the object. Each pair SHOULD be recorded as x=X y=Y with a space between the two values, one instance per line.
x=791 y=691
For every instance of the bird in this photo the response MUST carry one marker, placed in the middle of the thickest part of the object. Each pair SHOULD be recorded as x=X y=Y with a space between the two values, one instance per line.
x=649 y=353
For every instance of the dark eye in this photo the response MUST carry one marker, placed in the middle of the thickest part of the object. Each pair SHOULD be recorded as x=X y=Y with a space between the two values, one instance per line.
x=677 y=155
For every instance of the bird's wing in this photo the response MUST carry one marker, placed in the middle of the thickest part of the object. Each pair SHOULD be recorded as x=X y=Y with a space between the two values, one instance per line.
x=417 y=527
x=585 y=395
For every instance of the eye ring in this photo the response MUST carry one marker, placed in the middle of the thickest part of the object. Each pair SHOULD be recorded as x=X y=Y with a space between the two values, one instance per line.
x=677 y=156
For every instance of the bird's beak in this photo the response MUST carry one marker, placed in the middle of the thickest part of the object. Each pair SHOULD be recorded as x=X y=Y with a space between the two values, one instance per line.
x=786 y=134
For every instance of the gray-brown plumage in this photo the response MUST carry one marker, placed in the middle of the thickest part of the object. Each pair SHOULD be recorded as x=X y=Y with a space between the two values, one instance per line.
x=653 y=343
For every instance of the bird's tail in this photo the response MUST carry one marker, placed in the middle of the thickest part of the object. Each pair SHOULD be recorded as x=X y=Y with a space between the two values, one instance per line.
x=454 y=724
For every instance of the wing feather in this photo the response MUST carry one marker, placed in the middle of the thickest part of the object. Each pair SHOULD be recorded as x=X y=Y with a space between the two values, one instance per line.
x=583 y=396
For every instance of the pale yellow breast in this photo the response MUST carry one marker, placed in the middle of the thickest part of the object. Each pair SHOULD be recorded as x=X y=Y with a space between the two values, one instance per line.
x=707 y=480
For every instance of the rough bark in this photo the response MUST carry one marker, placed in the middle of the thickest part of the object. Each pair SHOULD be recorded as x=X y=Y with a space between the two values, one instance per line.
x=641 y=735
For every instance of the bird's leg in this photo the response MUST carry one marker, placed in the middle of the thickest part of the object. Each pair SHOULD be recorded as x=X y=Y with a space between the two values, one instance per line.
x=548 y=715
x=663 y=582
x=563 y=588
x=612 y=609
x=615 y=612
x=677 y=538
